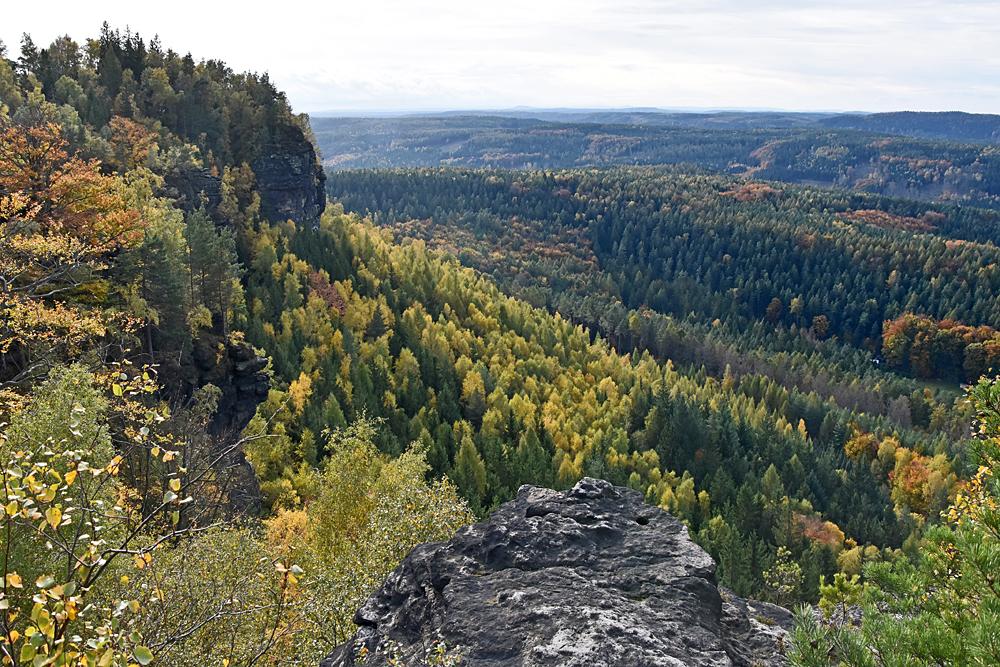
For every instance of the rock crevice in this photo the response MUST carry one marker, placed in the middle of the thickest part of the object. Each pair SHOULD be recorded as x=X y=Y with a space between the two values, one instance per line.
x=590 y=576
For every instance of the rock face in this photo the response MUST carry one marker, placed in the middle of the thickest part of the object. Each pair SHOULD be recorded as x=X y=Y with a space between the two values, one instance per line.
x=592 y=576
x=292 y=184
x=238 y=372
x=191 y=188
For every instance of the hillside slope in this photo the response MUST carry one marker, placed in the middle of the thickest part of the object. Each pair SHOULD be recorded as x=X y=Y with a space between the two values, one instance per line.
x=947 y=125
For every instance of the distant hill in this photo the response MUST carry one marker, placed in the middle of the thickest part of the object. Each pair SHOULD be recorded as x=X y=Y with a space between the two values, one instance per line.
x=947 y=125
x=751 y=144
x=418 y=141
x=722 y=120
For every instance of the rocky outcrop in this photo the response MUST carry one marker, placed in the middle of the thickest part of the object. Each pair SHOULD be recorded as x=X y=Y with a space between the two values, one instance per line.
x=238 y=372
x=291 y=181
x=235 y=368
x=194 y=188
x=591 y=576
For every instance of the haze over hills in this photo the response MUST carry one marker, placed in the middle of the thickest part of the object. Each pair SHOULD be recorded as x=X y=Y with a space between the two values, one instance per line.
x=949 y=125
x=800 y=148
x=623 y=115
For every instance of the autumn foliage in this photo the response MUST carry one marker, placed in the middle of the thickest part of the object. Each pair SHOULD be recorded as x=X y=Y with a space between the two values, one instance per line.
x=821 y=532
x=61 y=222
x=926 y=223
x=319 y=284
x=940 y=348
x=54 y=194
x=752 y=191
x=917 y=483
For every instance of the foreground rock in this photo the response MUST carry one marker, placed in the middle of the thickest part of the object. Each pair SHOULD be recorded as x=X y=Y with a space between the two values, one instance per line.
x=592 y=576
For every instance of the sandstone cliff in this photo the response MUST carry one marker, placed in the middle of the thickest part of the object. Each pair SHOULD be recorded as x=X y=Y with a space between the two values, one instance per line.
x=587 y=577
x=290 y=180
x=238 y=373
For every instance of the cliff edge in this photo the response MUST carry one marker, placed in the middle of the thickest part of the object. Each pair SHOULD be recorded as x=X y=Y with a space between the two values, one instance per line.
x=590 y=576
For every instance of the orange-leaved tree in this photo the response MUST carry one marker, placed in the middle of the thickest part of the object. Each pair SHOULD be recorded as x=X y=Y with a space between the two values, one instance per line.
x=62 y=222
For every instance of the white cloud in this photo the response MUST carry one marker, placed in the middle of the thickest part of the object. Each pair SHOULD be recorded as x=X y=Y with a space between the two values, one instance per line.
x=794 y=54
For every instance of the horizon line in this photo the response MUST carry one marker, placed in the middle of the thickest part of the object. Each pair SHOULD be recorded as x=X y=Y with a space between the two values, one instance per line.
x=406 y=111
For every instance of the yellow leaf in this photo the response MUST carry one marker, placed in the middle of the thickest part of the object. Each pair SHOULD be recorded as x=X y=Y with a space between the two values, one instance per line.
x=70 y=477
x=14 y=580
x=53 y=516
x=175 y=484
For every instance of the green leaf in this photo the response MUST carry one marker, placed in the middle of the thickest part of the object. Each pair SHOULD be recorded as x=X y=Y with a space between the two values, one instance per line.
x=28 y=652
x=117 y=389
x=143 y=655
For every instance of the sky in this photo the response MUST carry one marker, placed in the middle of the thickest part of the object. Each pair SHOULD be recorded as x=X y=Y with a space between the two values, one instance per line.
x=413 y=55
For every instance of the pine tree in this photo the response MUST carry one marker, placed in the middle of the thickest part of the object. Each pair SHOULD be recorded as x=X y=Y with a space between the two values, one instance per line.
x=213 y=266
x=28 y=62
x=771 y=485
x=469 y=472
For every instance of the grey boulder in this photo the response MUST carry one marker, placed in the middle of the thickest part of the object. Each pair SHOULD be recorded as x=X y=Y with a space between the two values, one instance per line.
x=591 y=576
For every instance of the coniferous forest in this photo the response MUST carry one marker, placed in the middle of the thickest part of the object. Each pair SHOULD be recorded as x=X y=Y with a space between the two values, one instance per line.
x=929 y=157
x=228 y=412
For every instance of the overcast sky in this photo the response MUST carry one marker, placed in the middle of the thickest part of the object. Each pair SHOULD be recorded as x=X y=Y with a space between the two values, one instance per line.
x=872 y=55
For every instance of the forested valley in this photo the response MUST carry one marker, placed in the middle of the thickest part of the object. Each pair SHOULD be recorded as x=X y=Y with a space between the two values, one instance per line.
x=924 y=156
x=229 y=408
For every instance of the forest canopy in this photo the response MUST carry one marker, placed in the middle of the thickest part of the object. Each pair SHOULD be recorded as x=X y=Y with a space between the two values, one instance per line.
x=223 y=422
